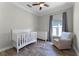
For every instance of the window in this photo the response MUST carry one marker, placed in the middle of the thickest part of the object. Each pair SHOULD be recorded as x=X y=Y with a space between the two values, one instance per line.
x=57 y=25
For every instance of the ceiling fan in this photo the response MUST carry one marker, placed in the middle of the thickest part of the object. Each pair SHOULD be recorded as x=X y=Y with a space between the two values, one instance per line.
x=40 y=4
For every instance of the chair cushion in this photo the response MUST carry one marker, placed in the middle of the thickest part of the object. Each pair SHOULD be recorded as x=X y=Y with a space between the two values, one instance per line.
x=66 y=36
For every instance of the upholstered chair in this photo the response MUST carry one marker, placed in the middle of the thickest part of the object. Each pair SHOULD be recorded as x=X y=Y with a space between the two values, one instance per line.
x=65 y=41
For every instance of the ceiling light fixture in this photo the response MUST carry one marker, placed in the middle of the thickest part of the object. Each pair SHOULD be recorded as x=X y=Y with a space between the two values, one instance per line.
x=41 y=5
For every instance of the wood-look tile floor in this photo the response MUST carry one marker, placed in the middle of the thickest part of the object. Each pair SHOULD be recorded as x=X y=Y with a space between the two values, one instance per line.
x=39 y=49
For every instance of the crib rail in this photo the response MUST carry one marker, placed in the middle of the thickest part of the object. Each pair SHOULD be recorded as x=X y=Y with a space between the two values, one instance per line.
x=22 y=39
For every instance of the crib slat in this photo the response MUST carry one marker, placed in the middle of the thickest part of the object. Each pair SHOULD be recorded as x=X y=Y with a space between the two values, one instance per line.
x=22 y=38
x=18 y=38
x=19 y=41
x=25 y=37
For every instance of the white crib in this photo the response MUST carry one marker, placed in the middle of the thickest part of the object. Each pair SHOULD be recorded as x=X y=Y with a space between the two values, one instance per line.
x=21 y=38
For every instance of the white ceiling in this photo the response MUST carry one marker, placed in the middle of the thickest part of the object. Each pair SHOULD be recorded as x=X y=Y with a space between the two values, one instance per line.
x=53 y=6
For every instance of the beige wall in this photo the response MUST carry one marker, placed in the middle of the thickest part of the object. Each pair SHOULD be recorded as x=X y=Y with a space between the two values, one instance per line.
x=43 y=23
x=75 y=25
x=13 y=17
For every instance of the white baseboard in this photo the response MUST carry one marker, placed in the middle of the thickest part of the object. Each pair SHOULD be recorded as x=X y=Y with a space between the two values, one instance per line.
x=6 y=48
x=77 y=52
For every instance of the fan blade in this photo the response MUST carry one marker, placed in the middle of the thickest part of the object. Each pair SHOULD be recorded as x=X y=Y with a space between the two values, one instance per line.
x=40 y=8
x=29 y=5
x=46 y=5
x=34 y=4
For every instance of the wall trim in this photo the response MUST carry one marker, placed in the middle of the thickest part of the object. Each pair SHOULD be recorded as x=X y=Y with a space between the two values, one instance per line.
x=77 y=52
x=6 y=48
